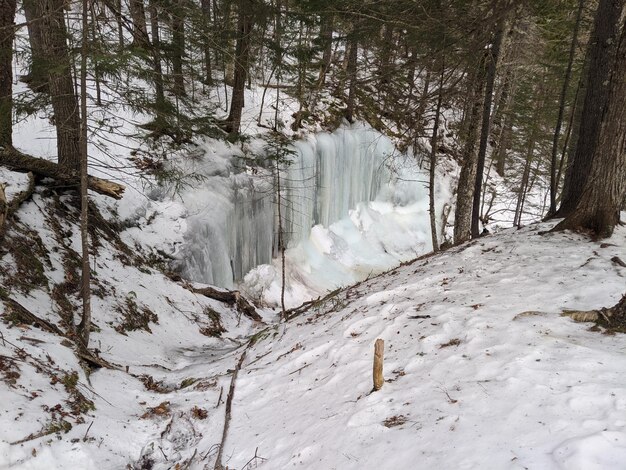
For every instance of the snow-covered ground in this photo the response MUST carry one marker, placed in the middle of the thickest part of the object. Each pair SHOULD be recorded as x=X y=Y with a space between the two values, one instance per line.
x=481 y=371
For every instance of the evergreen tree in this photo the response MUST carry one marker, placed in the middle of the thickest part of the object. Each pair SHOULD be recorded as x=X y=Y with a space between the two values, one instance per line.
x=599 y=197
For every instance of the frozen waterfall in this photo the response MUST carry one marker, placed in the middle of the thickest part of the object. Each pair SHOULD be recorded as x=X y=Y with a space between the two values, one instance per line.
x=344 y=195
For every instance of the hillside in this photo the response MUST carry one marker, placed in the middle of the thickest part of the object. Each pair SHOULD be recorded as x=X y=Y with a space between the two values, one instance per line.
x=220 y=220
x=480 y=368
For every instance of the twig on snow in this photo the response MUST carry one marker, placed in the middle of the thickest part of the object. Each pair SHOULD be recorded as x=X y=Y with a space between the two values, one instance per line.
x=87 y=432
x=256 y=457
x=229 y=404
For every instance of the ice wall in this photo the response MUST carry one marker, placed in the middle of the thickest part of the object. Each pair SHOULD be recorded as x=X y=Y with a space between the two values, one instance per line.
x=330 y=174
x=230 y=228
x=350 y=205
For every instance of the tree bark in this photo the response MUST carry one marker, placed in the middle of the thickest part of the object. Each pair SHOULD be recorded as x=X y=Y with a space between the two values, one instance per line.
x=421 y=105
x=50 y=39
x=16 y=160
x=208 y=46
x=242 y=58
x=178 y=48
x=434 y=143
x=156 y=56
x=7 y=33
x=559 y=121
x=84 y=328
x=612 y=318
x=4 y=208
x=233 y=298
x=601 y=54
x=115 y=7
x=138 y=16
x=598 y=206
x=326 y=41
x=469 y=156
x=523 y=187
x=502 y=124
x=377 y=370
x=37 y=77
x=486 y=121
x=353 y=51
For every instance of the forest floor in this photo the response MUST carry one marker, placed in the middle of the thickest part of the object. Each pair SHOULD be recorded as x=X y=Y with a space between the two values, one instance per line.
x=481 y=369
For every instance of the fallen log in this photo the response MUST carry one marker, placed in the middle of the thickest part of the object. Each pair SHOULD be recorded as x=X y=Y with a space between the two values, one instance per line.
x=231 y=297
x=16 y=160
x=613 y=319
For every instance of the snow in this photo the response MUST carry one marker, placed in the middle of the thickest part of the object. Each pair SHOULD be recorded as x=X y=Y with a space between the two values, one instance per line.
x=481 y=370
x=523 y=388
x=520 y=390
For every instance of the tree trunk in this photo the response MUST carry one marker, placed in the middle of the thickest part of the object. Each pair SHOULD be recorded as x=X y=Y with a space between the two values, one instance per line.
x=138 y=16
x=242 y=58
x=84 y=327
x=156 y=57
x=601 y=55
x=421 y=106
x=300 y=86
x=281 y=241
x=465 y=189
x=434 y=143
x=37 y=77
x=502 y=124
x=16 y=160
x=178 y=48
x=411 y=65
x=569 y=144
x=206 y=12
x=559 y=121
x=227 y=32
x=523 y=187
x=613 y=318
x=117 y=12
x=326 y=42
x=598 y=207
x=385 y=60
x=278 y=64
x=486 y=121
x=7 y=33
x=97 y=75
x=57 y=65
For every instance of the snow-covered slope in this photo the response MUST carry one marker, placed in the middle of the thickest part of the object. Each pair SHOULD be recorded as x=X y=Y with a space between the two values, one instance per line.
x=158 y=335
x=481 y=370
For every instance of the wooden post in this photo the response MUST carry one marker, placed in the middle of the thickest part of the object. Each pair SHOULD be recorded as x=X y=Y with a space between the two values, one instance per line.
x=379 y=348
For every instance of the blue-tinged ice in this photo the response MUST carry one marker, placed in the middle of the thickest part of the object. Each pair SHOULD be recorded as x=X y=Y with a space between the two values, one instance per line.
x=351 y=206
